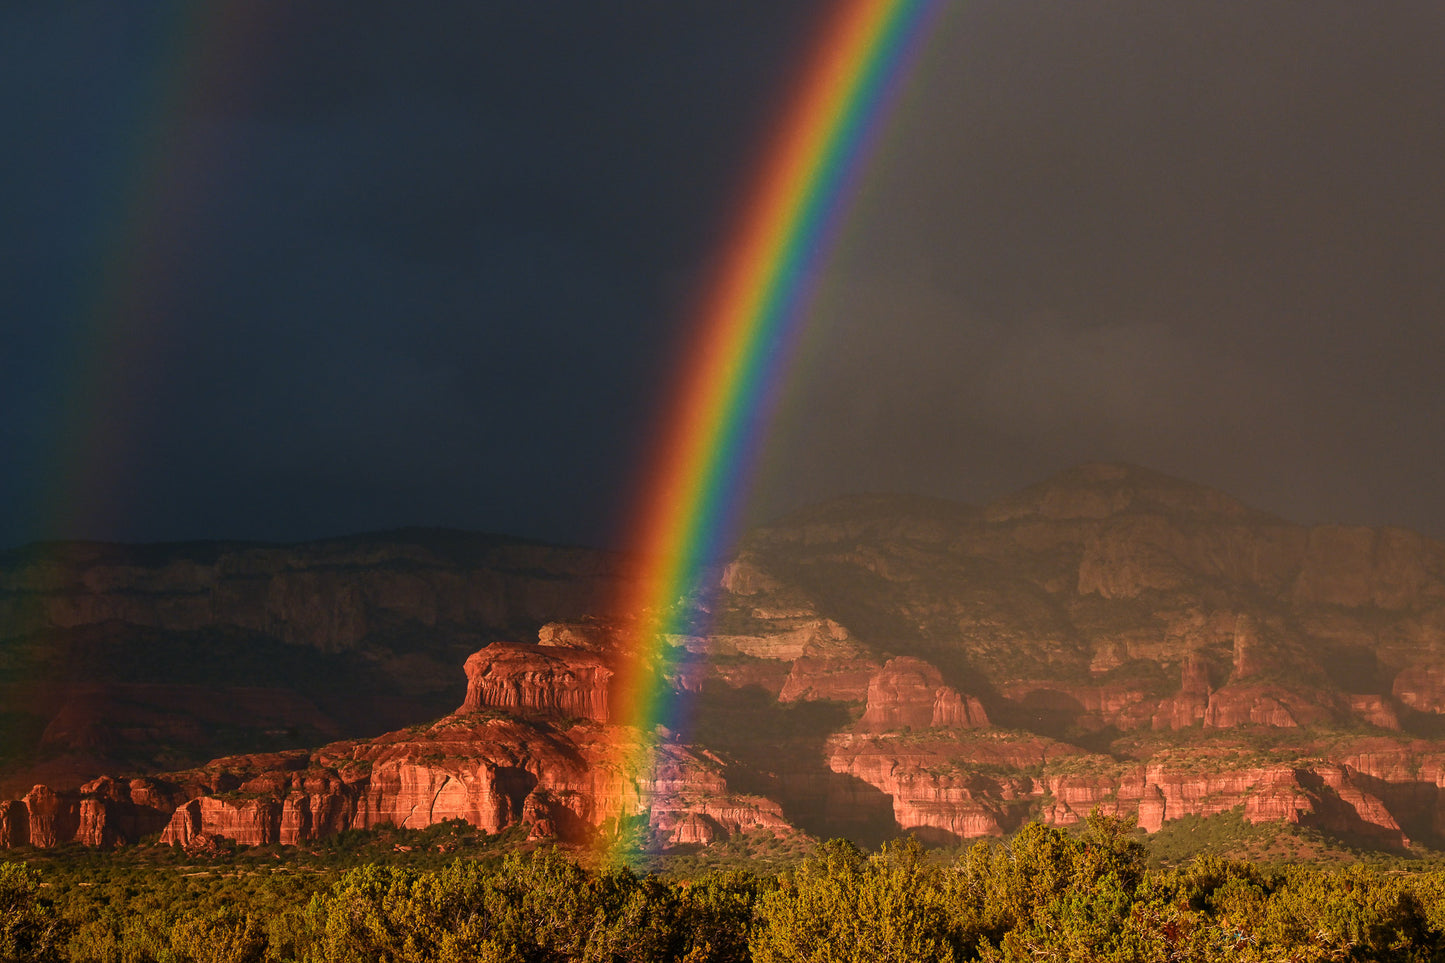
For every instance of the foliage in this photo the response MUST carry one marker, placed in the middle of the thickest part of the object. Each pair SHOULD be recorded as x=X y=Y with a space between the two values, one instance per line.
x=30 y=931
x=1045 y=893
x=842 y=907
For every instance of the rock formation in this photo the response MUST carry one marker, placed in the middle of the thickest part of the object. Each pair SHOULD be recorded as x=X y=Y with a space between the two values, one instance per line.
x=944 y=787
x=1110 y=638
x=328 y=595
x=531 y=745
x=910 y=693
x=493 y=772
x=553 y=679
x=129 y=652
x=101 y=813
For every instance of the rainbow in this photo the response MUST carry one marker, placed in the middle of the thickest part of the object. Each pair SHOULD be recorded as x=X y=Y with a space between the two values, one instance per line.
x=746 y=332
x=142 y=227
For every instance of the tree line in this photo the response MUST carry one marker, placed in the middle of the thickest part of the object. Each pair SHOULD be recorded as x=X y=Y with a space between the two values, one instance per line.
x=1044 y=894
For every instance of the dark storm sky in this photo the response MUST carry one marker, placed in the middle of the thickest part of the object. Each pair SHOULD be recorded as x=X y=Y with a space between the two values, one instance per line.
x=296 y=269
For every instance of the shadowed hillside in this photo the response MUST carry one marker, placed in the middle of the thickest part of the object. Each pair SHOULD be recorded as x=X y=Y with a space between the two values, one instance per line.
x=161 y=656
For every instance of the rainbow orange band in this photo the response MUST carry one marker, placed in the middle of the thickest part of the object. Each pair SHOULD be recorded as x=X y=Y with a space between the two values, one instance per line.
x=747 y=329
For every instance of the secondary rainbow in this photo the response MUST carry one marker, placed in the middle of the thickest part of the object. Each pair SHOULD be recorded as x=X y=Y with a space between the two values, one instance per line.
x=145 y=234
x=746 y=332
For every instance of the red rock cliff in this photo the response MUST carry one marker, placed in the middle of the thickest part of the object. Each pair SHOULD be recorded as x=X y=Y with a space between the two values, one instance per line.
x=910 y=692
x=568 y=682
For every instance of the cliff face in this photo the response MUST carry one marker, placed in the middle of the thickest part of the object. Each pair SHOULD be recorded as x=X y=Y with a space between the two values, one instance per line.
x=102 y=813
x=1110 y=606
x=124 y=657
x=328 y=595
x=490 y=772
x=521 y=750
x=910 y=692
x=553 y=679
x=1111 y=638
x=942 y=786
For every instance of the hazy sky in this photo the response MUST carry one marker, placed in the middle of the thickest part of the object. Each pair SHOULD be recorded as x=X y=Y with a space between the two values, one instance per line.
x=282 y=270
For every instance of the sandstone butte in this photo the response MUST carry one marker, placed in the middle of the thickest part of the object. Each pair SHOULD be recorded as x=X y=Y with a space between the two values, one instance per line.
x=1111 y=638
x=533 y=744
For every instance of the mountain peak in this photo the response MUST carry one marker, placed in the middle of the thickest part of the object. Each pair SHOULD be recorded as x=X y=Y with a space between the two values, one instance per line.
x=875 y=506
x=1102 y=489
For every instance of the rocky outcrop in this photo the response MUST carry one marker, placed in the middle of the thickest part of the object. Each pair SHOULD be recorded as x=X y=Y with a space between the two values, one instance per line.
x=815 y=679
x=1211 y=657
x=569 y=682
x=958 y=788
x=949 y=785
x=328 y=595
x=909 y=692
x=1189 y=706
x=52 y=818
x=490 y=772
x=744 y=576
x=249 y=822
x=1374 y=710
x=154 y=652
x=741 y=672
x=102 y=813
x=1388 y=568
x=1421 y=687
x=1266 y=705
x=14 y=824
x=1057 y=704
x=787 y=638
x=532 y=745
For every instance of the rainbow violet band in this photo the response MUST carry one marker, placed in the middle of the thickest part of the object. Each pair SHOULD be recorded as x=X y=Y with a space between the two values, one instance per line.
x=746 y=330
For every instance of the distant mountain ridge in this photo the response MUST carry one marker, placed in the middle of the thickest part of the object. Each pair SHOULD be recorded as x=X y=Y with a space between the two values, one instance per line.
x=1111 y=637
x=152 y=656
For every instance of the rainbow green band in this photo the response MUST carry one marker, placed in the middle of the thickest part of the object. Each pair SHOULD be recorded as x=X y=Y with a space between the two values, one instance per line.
x=746 y=333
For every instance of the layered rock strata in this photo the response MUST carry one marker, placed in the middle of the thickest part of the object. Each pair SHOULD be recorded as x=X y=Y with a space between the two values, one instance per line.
x=946 y=665
x=554 y=680
x=521 y=750
x=159 y=656
x=909 y=692
x=944 y=787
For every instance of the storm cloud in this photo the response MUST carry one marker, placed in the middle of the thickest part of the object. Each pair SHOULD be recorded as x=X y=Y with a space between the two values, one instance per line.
x=298 y=269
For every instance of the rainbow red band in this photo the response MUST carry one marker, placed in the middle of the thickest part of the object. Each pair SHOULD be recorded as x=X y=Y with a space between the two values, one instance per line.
x=747 y=328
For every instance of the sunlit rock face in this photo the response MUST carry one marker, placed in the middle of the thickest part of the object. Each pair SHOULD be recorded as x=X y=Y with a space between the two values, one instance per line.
x=492 y=773
x=250 y=822
x=822 y=679
x=552 y=679
x=1111 y=638
x=950 y=788
x=101 y=813
x=1113 y=603
x=520 y=750
x=909 y=692
x=53 y=818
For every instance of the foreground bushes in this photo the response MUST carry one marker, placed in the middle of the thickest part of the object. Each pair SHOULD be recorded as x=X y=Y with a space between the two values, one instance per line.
x=538 y=908
x=1045 y=894
x=30 y=930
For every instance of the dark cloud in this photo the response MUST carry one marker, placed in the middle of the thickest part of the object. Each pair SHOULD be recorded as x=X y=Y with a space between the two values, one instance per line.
x=1194 y=236
x=283 y=269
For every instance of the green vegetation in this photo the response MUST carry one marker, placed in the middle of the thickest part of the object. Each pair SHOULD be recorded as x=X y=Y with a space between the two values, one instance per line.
x=450 y=894
x=1230 y=834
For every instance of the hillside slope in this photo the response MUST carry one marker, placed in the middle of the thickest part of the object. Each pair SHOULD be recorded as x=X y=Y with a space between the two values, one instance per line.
x=1110 y=638
x=147 y=658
